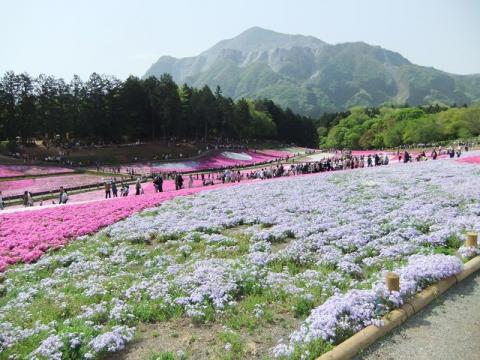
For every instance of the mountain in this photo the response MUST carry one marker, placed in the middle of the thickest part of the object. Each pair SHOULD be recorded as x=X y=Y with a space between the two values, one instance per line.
x=311 y=76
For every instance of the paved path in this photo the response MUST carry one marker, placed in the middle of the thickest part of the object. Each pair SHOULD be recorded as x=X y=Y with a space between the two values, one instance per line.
x=448 y=329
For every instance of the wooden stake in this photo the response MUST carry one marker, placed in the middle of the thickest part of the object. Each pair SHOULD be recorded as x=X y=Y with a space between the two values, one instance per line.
x=472 y=239
x=393 y=281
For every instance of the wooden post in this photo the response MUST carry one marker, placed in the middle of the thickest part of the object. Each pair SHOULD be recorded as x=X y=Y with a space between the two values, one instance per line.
x=3 y=288
x=472 y=239
x=392 y=281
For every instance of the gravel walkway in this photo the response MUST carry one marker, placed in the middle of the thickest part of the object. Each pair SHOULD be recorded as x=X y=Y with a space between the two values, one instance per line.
x=447 y=329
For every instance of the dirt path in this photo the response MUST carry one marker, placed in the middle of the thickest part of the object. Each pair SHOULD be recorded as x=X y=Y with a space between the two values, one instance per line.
x=448 y=329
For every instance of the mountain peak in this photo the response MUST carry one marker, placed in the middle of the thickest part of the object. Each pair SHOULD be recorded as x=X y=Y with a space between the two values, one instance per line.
x=257 y=39
x=256 y=30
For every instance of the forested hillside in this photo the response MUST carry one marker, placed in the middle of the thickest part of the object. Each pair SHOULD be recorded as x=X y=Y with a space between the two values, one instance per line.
x=386 y=127
x=104 y=109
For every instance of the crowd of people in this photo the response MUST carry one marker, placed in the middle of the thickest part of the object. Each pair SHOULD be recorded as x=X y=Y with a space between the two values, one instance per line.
x=112 y=188
x=333 y=163
x=436 y=152
x=27 y=198
x=340 y=160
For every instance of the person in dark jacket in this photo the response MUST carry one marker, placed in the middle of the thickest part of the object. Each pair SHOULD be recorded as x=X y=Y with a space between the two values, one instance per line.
x=114 y=189
x=138 y=187
x=158 y=182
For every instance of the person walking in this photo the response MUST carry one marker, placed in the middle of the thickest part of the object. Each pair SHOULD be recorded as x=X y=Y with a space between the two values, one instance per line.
x=386 y=160
x=190 y=181
x=177 y=181
x=30 y=201
x=25 y=198
x=459 y=151
x=63 y=197
x=60 y=195
x=138 y=187
x=180 y=181
x=114 y=189
x=451 y=152
x=160 y=183
x=2 y=206
x=108 y=191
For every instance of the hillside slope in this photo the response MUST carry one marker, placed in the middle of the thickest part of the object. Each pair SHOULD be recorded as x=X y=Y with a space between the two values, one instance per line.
x=311 y=76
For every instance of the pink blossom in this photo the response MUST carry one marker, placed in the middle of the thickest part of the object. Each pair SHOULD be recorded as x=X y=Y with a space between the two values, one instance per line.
x=23 y=170
x=26 y=235
x=219 y=161
x=48 y=183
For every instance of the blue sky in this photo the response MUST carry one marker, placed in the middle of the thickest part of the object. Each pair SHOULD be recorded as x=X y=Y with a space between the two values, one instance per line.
x=124 y=37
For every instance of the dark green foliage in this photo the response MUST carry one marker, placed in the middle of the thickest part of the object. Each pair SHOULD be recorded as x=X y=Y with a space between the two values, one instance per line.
x=303 y=307
x=314 y=348
x=105 y=109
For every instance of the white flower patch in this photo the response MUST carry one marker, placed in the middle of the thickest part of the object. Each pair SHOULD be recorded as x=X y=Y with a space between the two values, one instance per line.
x=89 y=312
x=50 y=348
x=10 y=334
x=236 y=156
x=468 y=252
x=112 y=341
x=212 y=280
x=359 y=308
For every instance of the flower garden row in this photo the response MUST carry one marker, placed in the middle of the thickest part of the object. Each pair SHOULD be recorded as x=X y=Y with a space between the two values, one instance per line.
x=301 y=258
x=48 y=183
x=29 y=170
x=27 y=235
x=53 y=183
x=222 y=160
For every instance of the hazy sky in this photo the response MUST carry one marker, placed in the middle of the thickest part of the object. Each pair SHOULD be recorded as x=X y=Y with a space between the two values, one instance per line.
x=118 y=37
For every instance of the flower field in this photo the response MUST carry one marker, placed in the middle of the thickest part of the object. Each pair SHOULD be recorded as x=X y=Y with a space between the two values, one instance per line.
x=219 y=161
x=27 y=235
x=168 y=185
x=475 y=159
x=47 y=183
x=24 y=170
x=284 y=269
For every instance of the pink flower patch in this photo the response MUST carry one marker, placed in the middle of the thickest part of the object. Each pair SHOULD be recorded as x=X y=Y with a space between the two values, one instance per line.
x=27 y=235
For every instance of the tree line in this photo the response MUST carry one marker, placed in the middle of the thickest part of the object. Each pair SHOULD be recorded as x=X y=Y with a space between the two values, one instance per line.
x=104 y=109
x=388 y=127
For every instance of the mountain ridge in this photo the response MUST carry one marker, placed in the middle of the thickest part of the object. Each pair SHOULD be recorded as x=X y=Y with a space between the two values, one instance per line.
x=311 y=76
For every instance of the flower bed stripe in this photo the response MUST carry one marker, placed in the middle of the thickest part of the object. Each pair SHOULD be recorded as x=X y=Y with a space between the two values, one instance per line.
x=25 y=236
x=7 y=171
x=41 y=185
x=470 y=160
x=221 y=160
